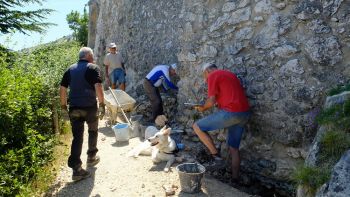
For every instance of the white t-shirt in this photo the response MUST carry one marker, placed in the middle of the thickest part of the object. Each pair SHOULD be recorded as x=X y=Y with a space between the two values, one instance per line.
x=113 y=61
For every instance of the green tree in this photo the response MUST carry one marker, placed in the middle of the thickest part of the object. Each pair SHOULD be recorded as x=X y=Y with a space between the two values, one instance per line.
x=12 y=19
x=79 y=24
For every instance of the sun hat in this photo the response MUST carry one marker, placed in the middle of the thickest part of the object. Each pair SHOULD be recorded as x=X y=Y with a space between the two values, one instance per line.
x=112 y=45
x=173 y=66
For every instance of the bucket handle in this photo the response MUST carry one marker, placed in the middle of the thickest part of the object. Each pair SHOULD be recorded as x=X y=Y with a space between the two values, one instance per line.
x=120 y=106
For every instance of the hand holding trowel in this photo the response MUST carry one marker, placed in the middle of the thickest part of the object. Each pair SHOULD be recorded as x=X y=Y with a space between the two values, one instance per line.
x=192 y=105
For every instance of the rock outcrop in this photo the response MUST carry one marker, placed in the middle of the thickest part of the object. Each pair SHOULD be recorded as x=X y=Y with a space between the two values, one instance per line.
x=338 y=186
x=286 y=53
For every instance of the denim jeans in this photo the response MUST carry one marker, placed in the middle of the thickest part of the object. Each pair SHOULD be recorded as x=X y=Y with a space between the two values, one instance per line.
x=77 y=118
x=233 y=121
x=117 y=75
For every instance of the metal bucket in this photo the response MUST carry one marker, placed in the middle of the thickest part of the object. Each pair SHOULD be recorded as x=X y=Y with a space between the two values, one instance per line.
x=191 y=175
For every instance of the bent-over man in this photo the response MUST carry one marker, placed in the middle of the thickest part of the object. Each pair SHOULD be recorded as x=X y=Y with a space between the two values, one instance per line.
x=159 y=76
x=225 y=90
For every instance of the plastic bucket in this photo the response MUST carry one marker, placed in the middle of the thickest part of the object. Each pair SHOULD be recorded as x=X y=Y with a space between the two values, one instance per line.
x=191 y=175
x=121 y=131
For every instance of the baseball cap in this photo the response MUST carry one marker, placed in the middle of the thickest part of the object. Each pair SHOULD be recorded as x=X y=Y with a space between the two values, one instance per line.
x=173 y=66
x=112 y=45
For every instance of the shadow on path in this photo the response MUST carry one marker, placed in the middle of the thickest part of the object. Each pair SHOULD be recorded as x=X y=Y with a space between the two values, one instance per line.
x=82 y=188
x=120 y=144
x=107 y=131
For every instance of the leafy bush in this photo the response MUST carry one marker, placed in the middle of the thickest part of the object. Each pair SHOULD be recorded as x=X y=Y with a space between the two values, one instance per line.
x=22 y=106
x=28 y=90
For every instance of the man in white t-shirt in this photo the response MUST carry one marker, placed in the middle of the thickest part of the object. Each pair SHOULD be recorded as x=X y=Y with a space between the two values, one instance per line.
x=115 y=70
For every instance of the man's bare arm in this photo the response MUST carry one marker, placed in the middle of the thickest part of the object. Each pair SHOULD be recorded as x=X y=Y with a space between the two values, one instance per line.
x=209 y=103
x=106 y=70
x=99 y=92
x=63 y=96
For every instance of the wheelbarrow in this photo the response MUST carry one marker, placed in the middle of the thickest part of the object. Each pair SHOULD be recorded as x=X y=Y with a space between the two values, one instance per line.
x=118 y=103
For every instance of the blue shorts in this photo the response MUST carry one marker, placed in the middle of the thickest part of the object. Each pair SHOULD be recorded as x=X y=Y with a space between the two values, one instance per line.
x=117 y=75
x=233 y=121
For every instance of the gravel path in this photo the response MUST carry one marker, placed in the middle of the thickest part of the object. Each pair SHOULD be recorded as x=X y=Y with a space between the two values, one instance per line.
x=118 y=175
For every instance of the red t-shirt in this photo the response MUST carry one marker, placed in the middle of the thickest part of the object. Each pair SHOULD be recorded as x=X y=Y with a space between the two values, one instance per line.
x=228 y=92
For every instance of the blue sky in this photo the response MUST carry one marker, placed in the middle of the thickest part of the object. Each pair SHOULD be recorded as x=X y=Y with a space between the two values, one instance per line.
x=19 y=41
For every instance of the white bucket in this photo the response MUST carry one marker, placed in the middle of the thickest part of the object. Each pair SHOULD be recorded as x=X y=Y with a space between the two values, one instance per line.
x=121 y=131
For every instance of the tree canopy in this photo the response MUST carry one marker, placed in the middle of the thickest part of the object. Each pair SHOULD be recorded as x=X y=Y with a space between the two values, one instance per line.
x=79 y=24
x=12 y=19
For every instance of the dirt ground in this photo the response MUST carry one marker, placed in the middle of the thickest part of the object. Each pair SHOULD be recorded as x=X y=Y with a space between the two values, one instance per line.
x=119 y=175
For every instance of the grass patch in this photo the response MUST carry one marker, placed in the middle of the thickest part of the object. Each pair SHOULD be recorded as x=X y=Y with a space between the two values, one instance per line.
x=44 y=180
x=333 y=145
x=337 y=116
x=311 y=177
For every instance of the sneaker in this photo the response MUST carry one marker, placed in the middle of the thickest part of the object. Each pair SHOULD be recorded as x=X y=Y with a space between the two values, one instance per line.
x=80 y=174
x=216 y=163
x=92 y=161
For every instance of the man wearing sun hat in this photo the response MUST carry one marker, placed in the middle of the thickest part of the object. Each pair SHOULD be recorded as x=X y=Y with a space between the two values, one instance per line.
x=225 y=91
x=159 y=76
x=115 y=70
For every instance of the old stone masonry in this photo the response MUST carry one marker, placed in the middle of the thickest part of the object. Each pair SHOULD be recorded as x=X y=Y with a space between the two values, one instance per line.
x=287 y=53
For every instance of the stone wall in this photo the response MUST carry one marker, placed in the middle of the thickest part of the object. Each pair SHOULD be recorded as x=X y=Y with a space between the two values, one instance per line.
x=286 y=53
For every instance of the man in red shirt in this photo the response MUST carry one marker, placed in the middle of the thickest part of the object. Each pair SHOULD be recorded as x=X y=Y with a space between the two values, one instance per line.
x=225 y=90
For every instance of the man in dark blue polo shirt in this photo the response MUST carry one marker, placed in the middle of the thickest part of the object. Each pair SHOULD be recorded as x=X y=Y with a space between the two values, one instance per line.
x=85 y=82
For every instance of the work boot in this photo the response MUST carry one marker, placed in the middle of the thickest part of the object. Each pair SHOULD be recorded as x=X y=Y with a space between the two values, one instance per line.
x=92 y=161
x=79 y=174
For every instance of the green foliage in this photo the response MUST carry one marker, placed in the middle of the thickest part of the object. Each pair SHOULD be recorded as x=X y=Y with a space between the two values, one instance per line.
x=23 y=21
x=22 y=106
x=333 y=144
x=311 y=177
x=329 y=115
x=19 y=166
x=28 y=90
x=79 y=24
x=6 y=56
x=339 y=89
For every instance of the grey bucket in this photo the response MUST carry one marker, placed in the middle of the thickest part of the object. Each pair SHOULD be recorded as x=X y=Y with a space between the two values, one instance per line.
x=191 y=175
